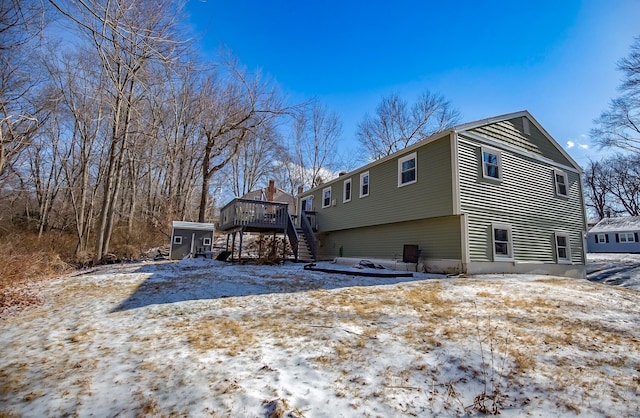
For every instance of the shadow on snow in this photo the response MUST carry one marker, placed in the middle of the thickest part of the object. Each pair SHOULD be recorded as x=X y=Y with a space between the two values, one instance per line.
x=208 y=279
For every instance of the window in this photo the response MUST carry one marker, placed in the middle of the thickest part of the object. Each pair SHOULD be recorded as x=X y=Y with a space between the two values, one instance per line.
x=206 y=242
x=307 y=204
x=177 y=240
x=602 y=239
x=364 y=184
x=407 y=170
x=502 y=245
x=346 y=195
x=563 y=249
x=491 y=164
x=561 y=182
x=626 y=237
x=326 y=197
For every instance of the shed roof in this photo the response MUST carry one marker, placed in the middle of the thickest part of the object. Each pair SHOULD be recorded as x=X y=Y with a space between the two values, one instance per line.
x=621 y=224
x=198 y=226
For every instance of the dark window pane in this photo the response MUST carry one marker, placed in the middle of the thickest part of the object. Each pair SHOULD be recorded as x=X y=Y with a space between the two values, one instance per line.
x=501 y=235
x=502 y=248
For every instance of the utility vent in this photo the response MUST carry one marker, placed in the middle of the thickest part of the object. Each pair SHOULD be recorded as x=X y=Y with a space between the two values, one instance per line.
x=525 y=125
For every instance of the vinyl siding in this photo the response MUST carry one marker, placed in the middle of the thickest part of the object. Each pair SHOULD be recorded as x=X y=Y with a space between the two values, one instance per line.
x=430 y=196
x=511 y=132
x=524 y=199
x=437 y=238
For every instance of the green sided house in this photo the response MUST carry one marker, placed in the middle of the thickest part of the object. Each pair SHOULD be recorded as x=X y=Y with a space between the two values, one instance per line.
x=498 y=195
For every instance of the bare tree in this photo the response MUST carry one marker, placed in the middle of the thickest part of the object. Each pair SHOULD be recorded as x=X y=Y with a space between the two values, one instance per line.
x=21 y=114
x=612 y=186
x=127 y=36
x=235 y=109
x=619 y=126
x=625 y=182
x=597 y=184
x=256 y=160
x=397 y=124
x=314 y=149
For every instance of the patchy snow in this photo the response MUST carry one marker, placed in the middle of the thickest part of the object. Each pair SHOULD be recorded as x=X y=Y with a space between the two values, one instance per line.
x=207 y=338
x=614 y=269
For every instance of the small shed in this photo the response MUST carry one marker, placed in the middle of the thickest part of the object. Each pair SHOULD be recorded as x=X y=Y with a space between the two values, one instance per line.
x=615 y=235
x=190 y=239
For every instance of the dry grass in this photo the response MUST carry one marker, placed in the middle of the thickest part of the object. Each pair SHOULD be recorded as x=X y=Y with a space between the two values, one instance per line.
x=233 y=336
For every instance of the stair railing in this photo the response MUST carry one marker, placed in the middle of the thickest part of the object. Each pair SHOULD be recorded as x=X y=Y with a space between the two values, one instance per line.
x=307 y=230
x=292 y=234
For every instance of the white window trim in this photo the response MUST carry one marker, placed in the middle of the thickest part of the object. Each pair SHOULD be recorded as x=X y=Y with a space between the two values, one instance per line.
x=498 y=154
x=567 y=259
x=500 y=257
x=323 y=197
x=363 y=175
x=601 y=238
x=304 y=204
x=412 y=156
x=177 y=240
x=626 y=237
x=556 y=185
x=344 y=191
x=206 y=241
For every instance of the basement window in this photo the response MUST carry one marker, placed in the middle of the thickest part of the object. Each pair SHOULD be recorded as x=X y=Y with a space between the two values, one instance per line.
x=563 y=250
x=206 y=242
x=177 y=240
x=502 y=243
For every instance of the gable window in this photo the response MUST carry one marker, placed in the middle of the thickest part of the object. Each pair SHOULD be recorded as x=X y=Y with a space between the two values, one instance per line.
x=491 y=164
x=407 y=170
x=626 y=237
x=364 y=184
x=346 y=195
x=502 y=244
x=561 y=182
x=602 y=239
x=563 y=250
x=326 y=197
x=177 y=240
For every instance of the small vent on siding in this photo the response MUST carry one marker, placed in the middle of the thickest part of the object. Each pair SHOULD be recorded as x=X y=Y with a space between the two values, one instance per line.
x=525 y=125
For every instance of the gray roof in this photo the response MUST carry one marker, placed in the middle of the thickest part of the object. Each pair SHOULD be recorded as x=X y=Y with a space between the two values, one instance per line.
x=621 y=224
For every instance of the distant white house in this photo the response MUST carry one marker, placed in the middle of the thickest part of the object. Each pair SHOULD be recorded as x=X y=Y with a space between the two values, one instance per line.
x=615 y=235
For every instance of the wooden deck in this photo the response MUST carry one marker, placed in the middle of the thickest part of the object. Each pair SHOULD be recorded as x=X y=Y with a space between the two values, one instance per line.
x=254 y=216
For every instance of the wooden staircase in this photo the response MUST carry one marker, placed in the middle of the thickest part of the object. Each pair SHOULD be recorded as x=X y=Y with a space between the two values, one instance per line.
x=305 y=252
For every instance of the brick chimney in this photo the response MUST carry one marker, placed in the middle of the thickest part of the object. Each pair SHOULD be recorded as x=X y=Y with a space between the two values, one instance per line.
x=271 y=191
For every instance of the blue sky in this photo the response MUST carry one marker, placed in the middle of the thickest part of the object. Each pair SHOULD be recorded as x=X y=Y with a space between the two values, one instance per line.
x=556 y=59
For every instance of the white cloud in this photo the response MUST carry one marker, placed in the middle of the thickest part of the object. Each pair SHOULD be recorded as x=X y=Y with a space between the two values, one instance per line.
x=570 y=144
x=584 y=146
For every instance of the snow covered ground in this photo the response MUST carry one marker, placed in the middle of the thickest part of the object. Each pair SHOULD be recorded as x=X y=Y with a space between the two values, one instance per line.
x=206 y=338
x=615 y=269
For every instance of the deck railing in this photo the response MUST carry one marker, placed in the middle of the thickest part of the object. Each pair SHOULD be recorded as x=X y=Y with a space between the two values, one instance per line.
x=254 y=214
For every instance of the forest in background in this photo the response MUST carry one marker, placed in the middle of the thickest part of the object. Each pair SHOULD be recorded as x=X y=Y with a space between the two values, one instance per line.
x=112 y=125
